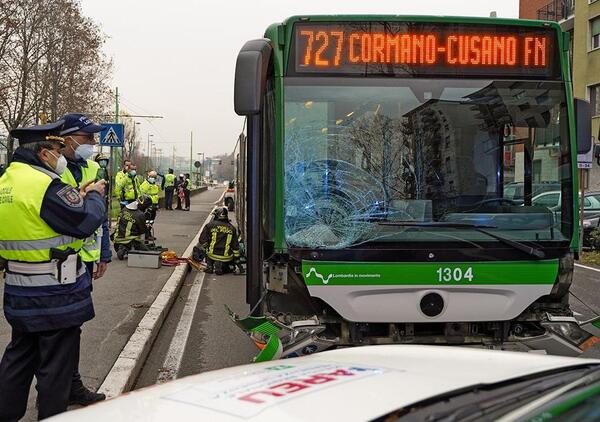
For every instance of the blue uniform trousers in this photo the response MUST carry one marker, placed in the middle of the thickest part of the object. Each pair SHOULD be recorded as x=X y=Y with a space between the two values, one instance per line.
x=48 y=354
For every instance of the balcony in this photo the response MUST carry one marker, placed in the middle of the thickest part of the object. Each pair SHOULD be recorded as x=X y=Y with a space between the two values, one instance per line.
x=557 y=10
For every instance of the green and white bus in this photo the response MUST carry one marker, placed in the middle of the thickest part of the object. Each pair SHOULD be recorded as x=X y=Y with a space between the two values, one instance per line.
x=377 y=164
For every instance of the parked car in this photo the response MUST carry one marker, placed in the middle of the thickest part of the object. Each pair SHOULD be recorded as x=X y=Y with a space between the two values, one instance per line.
x=515 y=191
x=372 y=383
x=591 y=207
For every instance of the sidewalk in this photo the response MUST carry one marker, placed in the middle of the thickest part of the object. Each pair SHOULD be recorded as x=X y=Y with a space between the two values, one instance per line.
x=123 y=295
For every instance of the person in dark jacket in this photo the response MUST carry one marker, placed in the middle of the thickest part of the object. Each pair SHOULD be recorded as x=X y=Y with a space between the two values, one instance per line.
x=78 y=132
x=187 y=191
x=47 y=292
x=169 y=186
x=219 y=243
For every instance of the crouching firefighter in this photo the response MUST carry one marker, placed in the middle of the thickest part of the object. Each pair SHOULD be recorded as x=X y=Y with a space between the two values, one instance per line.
x=131 y=225
x=219 y=241
x=46 y=286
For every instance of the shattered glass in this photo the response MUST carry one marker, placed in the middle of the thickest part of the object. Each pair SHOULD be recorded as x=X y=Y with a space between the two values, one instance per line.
x=356 y=156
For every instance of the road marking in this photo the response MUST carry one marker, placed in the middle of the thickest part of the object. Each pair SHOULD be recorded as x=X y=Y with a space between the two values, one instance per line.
x=172 y=363
x=588 y=268
x=128 y=365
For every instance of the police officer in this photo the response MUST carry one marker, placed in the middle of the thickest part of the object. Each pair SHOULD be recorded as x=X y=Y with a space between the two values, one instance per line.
x=169 y=181
x=78 y=132
x=219 y=243
x=151 y=189
x=47 y=289
x=121 y=174
x=103 y=161
x=128 y=187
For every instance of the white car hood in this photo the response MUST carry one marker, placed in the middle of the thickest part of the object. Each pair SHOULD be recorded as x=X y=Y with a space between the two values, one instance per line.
x=353 y=384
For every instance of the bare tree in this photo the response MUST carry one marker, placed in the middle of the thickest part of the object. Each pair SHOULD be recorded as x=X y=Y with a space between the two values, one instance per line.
x=52 y=63
x=131 y=146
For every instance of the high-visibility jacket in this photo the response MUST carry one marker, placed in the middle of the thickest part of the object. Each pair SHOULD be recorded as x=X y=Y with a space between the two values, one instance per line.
x=90 y=251
x=119 y=178
x=169 y=180
x=24 y=236
x=151 y=190
x=219 y=240
x=36 y=301
x=128 y=188
x=188 y=184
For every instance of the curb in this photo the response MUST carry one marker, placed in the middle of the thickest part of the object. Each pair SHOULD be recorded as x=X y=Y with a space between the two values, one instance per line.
x=128 y=365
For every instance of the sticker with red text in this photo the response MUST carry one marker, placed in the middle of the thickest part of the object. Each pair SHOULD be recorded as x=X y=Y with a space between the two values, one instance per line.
x=247 y=394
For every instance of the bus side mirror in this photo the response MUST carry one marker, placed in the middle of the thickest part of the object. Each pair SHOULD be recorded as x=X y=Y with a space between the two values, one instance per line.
x=583 y=117
x=251 y=76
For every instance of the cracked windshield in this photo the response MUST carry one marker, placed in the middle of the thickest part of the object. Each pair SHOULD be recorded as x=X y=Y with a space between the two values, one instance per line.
x=375 y=160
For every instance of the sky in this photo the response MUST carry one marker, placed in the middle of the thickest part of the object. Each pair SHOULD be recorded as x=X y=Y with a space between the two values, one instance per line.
x=176 y=58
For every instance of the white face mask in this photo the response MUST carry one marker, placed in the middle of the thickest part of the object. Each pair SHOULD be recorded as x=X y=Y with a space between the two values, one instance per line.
x=61 y=164
x=151 y=180
x=84 y=151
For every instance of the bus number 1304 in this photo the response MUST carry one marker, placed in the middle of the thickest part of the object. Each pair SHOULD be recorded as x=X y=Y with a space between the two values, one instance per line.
x=446 y=274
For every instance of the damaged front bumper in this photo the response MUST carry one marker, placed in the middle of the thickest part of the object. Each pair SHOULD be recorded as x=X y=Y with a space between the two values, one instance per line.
x=277 y=340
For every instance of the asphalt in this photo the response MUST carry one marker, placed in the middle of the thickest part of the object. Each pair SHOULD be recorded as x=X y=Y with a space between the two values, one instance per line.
x=215 y=342
x=123 y=295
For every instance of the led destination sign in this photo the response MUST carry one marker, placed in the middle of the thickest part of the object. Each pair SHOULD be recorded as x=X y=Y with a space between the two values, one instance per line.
x=403 y=48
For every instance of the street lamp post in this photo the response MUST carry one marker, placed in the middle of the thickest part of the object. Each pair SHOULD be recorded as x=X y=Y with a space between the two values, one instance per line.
x=148 y=153
x=201 y=166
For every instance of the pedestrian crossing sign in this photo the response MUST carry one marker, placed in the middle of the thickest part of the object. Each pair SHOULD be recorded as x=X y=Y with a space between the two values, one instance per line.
x=112 y=135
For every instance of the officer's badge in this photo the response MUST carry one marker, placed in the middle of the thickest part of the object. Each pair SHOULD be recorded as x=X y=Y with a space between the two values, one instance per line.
x=70 y=196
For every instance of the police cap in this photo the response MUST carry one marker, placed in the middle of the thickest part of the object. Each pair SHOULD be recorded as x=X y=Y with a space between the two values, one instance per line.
x=77 y=122
x=39 y=133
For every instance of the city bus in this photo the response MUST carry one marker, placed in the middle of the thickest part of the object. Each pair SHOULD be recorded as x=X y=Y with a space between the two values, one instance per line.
x=377 y=161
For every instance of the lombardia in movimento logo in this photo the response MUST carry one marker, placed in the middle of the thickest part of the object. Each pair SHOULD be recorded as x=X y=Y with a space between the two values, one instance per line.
x=326 y=280
x=318 y=275
x=429 y=273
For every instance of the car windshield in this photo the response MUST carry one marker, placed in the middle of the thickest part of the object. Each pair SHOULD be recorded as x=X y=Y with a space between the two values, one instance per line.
x=363 y=154
x=569 y=395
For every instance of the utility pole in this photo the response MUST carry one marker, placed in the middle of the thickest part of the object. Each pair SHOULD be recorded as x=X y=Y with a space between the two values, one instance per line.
x=148 y=153
x=191 y=156
x=111 y=176
x=173 y=159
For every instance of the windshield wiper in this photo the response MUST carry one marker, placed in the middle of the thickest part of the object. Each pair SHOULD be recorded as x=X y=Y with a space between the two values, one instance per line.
x=481 y=228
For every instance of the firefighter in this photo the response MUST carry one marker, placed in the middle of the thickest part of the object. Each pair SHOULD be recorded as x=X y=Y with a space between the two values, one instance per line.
x=219 y=243
x=131 y=225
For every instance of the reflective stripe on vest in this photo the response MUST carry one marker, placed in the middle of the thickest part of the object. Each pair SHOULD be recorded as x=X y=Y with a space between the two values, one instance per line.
x=90 y=250
x=28 y=238
x=38 y=280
